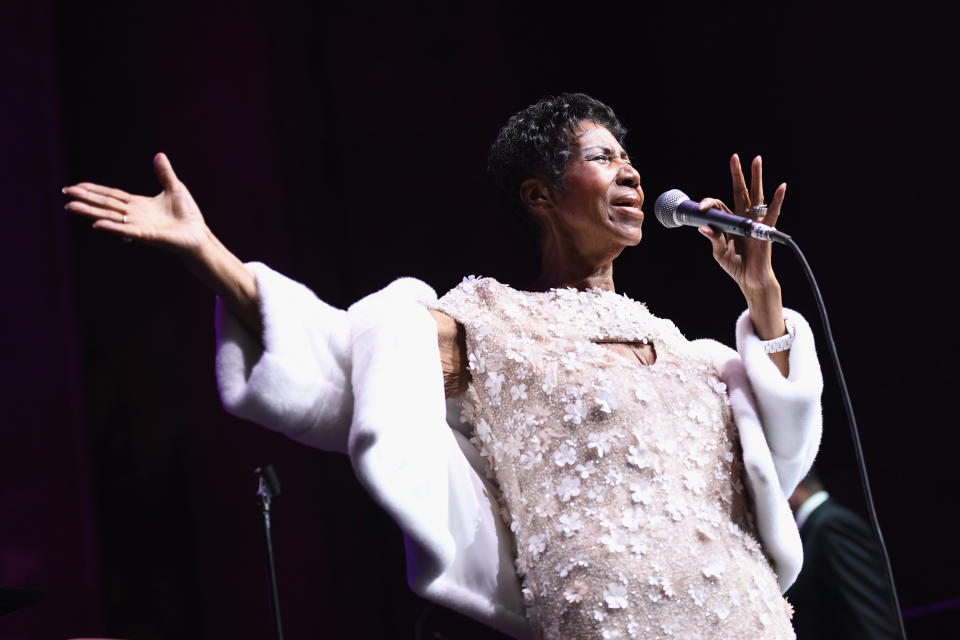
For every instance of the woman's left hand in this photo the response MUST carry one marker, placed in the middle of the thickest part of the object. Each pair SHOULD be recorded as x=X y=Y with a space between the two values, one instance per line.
x=745 y=259
x=748 y=261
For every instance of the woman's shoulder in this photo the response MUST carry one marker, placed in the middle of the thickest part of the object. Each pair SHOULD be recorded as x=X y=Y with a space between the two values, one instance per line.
x=477 y=289
x=478 y=295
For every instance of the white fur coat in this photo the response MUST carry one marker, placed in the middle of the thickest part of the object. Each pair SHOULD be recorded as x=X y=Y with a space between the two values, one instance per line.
x=367 y=382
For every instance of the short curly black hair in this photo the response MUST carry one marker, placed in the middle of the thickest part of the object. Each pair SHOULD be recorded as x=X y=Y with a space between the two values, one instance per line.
x=537 y=142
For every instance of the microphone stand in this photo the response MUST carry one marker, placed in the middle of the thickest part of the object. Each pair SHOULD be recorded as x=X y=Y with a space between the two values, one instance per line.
x=268 y=488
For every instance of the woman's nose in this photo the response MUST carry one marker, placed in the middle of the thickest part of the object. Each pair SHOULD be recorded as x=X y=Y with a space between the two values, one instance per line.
x=628 y=176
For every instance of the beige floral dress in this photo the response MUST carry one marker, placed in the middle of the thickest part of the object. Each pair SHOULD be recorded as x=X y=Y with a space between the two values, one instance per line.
x=621 y=482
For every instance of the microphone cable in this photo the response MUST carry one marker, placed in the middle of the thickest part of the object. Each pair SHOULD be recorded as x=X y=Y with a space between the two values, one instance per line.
x=854 y=433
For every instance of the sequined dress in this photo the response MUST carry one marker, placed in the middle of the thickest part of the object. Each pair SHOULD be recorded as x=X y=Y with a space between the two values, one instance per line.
x=621 y=482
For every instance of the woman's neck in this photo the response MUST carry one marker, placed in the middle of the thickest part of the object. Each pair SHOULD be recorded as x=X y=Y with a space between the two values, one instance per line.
x=565 y=268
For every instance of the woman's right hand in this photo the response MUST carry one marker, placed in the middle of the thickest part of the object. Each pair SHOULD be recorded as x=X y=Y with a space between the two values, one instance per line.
x=170 y=220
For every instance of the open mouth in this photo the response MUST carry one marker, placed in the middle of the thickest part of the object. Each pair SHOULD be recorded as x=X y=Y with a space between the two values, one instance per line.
x=627 y=203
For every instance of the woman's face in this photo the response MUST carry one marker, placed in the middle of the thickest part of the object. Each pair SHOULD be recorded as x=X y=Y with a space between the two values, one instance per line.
x=599 y=205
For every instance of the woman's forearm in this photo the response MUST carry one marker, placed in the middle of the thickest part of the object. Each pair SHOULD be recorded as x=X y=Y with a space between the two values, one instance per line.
x=766 y=315
x=224 y=274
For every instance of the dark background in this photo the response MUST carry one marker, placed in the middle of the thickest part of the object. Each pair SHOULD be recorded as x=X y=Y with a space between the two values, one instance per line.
x=345 y=145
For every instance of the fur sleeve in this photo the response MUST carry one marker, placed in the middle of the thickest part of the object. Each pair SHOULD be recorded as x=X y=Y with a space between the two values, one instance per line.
x=295 y=378
x=789 y=408
x=779 y=423
x=422 y=472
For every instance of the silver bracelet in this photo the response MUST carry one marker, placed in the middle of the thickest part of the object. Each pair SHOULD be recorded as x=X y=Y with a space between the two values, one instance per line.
x=783 y=342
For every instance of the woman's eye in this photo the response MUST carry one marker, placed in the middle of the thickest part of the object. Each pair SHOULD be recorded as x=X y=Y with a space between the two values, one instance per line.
x=604 y=158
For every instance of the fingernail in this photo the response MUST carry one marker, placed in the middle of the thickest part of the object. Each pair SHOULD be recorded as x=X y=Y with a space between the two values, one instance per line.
x=63 y=190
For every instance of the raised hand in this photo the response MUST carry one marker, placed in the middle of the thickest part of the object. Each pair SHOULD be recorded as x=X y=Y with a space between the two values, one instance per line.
x=170 y=220
x=748 y=261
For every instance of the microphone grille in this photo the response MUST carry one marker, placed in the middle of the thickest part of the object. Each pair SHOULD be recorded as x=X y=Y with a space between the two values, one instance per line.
x=666 y=207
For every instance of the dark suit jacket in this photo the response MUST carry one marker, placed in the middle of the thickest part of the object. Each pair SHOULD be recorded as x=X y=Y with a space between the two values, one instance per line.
x=841 y=591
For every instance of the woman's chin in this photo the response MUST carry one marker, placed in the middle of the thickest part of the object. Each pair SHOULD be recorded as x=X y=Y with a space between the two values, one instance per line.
x=628 y=229
x=632 y=237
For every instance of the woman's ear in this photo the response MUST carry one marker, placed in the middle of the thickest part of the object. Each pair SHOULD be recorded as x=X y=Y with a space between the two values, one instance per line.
x=536 y=196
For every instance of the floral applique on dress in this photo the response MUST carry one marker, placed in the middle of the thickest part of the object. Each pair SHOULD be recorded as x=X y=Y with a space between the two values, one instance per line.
x=621 y=482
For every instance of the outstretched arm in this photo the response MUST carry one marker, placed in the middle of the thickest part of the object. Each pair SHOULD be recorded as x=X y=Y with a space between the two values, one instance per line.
x=172 y=220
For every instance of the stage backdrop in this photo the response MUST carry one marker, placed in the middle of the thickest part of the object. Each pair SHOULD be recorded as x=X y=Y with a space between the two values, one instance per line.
x=345 y=146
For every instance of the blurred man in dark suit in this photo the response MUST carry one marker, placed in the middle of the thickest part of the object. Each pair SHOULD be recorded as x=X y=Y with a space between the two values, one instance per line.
x=842 y=591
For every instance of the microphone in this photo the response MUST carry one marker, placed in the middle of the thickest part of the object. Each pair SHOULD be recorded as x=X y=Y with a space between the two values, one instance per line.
x=673 y=209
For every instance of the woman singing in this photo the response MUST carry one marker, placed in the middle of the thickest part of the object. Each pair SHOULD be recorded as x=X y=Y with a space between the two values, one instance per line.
x=593 y=473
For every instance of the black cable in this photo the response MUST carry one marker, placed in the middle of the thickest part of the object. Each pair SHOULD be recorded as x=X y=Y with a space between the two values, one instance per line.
x=854 y=433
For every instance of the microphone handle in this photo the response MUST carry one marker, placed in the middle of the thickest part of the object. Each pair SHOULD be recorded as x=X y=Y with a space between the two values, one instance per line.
x=688 y=212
